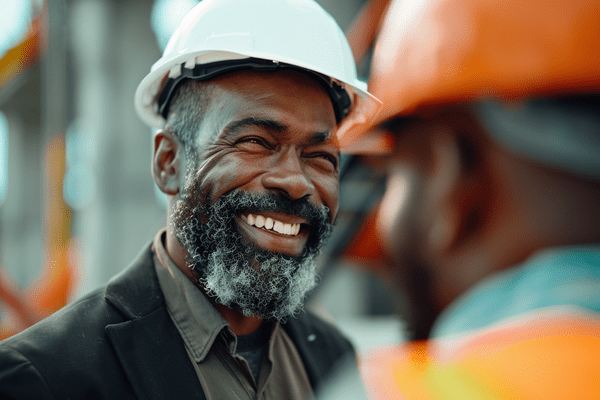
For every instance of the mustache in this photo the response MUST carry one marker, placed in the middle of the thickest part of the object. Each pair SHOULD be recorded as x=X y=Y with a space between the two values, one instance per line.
x=245 y=202
x=317 y=217
x=239 y=202
x=224 y=210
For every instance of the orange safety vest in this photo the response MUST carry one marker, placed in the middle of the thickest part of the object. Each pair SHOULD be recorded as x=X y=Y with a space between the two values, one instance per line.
x=538 y=357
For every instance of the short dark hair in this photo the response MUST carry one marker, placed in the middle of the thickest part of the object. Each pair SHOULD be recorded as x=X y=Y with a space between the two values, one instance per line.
x=187 y=108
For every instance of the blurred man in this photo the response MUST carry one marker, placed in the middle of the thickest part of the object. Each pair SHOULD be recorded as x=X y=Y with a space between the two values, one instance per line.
x=491 y=217
x=247 y=97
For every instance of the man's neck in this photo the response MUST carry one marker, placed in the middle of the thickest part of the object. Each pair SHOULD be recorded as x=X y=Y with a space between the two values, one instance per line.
x=238 y=322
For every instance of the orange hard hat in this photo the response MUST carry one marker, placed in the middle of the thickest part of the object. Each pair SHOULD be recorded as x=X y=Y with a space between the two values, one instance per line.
x=435 y=52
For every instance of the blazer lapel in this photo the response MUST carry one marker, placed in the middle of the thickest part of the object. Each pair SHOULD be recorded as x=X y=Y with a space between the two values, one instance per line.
x=154 y=358
x=148 y=344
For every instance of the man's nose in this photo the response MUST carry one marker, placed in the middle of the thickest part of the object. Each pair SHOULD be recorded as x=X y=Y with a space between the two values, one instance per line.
x=288 y=176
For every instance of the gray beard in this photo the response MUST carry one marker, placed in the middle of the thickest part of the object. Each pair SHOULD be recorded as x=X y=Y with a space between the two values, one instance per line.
x=224 y=261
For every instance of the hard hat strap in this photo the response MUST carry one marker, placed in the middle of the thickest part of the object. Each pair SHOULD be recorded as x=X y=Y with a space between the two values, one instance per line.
x=201 y=72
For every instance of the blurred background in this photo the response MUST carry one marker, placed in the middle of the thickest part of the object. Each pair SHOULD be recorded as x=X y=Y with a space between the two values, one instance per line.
x=77 y=200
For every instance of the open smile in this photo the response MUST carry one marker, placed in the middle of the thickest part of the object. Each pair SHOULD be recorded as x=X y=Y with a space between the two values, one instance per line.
x=270 y=224
x=275 y=231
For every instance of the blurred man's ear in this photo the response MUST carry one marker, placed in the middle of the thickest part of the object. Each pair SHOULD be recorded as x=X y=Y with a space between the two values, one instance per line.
x=442 y=187
x=456 y=187
x=166 y=163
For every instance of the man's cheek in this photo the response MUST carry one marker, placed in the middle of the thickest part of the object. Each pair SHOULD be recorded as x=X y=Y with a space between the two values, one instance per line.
x=328 y=189
x=223 y=179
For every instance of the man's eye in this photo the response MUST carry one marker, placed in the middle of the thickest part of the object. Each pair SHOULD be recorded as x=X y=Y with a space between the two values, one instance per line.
x=253 y=140
x=325 y=157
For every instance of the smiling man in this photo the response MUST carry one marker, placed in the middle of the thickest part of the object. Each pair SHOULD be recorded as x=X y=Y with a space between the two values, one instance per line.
x=246 y=99
x=263 y=185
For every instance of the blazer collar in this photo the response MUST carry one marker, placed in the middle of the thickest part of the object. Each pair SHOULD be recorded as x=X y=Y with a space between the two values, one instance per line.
x=147 y=344
x=135 y=292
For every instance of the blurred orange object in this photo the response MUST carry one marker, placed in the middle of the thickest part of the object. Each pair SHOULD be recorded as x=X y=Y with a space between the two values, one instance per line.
x=51 y=290
x=553 y=356
x=365 y=247
x=364 y=29
x=442 y=51
x=11 y=296
x=27 y=52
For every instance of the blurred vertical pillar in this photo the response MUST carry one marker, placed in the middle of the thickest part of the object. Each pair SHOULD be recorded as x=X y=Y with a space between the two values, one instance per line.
x=54 y=73
x=90 y=25
x=137 y=215
x=113 y=48
x=49 y=292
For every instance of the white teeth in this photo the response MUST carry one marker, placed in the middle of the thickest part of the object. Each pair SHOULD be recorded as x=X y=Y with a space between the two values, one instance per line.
x=269 y=223
x=278 y=226
x=260 y=221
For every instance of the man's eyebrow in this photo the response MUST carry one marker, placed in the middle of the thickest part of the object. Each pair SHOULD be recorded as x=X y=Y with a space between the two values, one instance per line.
x=233 y=128
x=268 y=124
x=320 y=137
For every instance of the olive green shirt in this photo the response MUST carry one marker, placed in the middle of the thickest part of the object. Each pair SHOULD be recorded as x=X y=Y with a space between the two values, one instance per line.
x=211 y=345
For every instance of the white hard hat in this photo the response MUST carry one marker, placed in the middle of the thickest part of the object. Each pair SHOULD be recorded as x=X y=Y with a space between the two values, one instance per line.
x=219 y=36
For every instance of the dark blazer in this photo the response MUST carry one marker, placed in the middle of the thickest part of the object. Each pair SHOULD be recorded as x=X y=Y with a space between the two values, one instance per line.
x=119 y=343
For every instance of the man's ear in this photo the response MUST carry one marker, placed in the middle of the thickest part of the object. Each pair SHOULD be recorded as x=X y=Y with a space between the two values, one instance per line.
x=456 y=188
x=442 y=183
x=167 y=163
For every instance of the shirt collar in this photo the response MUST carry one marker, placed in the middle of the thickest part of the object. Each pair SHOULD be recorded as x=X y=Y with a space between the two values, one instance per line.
x=197 y=320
